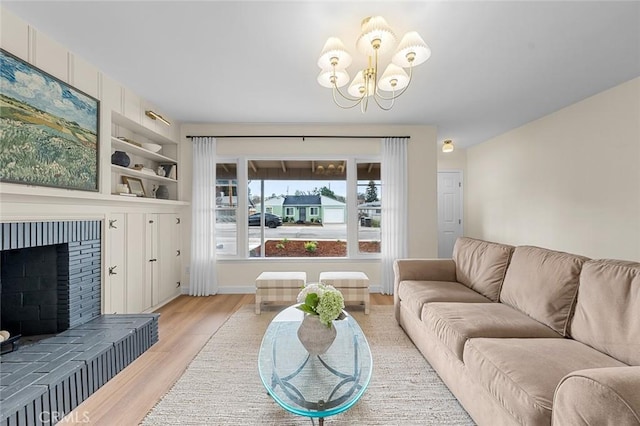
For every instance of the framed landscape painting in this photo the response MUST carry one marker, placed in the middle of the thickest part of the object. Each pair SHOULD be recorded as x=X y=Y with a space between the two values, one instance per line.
x=48 y=129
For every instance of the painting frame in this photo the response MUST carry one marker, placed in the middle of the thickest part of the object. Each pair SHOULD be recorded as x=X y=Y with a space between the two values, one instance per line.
x=51 y=129
x=135 y=186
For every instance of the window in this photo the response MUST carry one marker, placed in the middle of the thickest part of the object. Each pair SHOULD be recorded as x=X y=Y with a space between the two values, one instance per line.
x=226 y=208
x=298 y=208
x=299 y=199
x=369 y=207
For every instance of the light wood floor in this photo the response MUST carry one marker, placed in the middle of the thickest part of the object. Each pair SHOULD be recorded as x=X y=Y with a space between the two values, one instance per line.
x=185 y=325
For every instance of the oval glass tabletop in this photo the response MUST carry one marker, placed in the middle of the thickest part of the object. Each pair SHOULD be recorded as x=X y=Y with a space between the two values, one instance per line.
x=314 y=386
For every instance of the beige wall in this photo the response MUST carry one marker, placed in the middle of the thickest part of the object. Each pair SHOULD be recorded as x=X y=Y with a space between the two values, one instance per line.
x=456 y=160
x=239 y=275
x=569 y=181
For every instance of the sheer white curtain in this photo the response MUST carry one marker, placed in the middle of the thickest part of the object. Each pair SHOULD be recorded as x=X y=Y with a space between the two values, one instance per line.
x=394 y=207
x=203 y=202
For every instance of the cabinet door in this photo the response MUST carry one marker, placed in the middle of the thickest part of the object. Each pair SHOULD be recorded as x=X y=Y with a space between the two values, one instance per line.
x=168 y=256
x=151 y=250
x=138 y=294
x=115 y=277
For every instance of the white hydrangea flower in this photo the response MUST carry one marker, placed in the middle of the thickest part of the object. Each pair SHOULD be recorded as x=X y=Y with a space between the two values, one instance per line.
x=330 y=302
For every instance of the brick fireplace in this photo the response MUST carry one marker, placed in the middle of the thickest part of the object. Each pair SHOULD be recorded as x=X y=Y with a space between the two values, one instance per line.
x=50 y=279
x=51 y=283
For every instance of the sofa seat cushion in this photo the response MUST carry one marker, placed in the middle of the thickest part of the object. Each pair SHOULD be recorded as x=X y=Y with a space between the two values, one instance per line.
x=414 y=294
x=522 y=374
x=455 y=323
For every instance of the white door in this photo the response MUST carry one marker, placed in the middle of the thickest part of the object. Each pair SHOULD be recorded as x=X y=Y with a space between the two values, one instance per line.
x=449 y=211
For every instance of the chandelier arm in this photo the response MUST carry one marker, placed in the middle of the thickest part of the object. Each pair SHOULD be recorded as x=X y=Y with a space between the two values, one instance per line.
x=345 y=97
x=382 y=107
x=396 y=96
x=335 y=99
x=365 y=104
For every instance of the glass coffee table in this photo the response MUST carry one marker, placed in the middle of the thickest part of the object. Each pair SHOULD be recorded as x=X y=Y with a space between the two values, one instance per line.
x=314 y=386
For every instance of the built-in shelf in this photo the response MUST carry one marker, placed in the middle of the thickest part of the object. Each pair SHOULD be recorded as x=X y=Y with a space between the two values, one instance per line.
x=128 y=136
x=120 y=145
x=135 y=173
x=139 y=129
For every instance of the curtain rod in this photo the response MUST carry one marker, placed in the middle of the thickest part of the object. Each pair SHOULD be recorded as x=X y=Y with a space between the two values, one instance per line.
x=297 y=136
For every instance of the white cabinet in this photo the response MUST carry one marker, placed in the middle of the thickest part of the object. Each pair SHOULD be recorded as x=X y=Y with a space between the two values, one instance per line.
x=125 y=290
x=143 y=262
x=138 y=295
x=131 y=137
x=115 y=283
x=163 y=256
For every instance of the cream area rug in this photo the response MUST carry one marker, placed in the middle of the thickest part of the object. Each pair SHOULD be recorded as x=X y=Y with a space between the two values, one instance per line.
x=222 y=386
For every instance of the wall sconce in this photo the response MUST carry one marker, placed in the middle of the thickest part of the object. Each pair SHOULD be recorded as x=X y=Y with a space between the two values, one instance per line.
x=447 y=146
x=152 y=115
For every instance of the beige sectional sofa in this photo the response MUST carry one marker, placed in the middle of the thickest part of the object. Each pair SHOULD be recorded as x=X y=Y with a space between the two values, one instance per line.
x=525 y=335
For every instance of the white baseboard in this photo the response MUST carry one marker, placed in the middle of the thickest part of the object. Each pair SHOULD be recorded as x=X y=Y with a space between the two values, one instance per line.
x=251 y=289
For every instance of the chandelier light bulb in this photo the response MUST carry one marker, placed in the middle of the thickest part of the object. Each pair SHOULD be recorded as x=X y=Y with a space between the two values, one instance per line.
x=327 y=78
x=412 y=51
x=393 y=79
x=376 y=35
x=358 y=88
x=334 y=54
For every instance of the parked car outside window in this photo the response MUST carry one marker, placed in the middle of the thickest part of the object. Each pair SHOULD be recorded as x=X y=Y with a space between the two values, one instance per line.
x=270 y=220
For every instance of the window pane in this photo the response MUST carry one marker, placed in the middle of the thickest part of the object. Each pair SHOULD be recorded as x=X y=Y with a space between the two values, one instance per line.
x=226 y=207
x=369 y=207
x=305 y=206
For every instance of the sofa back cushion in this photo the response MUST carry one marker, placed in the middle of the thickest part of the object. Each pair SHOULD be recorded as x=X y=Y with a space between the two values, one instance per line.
x=543 y=284
x=607 y=315
x=481 y=265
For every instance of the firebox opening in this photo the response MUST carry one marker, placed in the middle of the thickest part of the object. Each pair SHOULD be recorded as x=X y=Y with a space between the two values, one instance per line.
x=34 y=287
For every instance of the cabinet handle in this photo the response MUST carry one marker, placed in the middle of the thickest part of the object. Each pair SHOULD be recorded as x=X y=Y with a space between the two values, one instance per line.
x=153 y=260
x=112 y=270
x=177 y=221
x=177 y=252
x=112 y=224
x=178 y=284
x=151 y=221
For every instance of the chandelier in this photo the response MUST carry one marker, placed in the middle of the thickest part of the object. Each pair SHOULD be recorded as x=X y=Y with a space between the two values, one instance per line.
x=376 y=39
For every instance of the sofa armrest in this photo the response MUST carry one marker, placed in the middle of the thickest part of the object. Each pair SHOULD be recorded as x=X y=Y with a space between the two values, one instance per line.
x=598 y=396
x=424 y=270
x=420 y=270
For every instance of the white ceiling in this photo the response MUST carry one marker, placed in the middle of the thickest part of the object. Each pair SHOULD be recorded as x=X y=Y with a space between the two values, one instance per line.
x=495 y=65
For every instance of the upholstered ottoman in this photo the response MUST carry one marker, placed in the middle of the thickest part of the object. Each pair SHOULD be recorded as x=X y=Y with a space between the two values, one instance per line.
x=278 y=287
x=354 y=286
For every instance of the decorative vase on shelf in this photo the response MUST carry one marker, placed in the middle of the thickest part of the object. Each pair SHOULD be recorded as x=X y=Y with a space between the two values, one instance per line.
x=162 y=192
x=316 y=337
x=120 y=158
